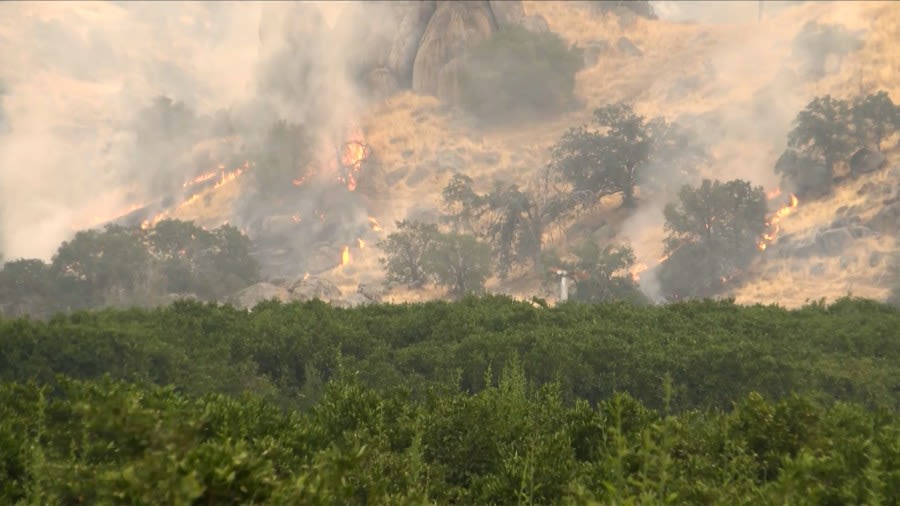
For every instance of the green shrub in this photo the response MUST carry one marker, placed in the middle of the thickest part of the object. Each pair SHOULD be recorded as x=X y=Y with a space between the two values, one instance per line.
x=518 y=72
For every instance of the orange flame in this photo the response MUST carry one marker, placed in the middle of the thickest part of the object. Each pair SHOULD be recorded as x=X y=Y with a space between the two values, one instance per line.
x=375 y=226
x=206 y=176
x=362 y=244
x=774 y=223
x=636 y=271
x=773 y=194
x=353 y=153
x=345 y=256
x=297 y=218
x=226 y=177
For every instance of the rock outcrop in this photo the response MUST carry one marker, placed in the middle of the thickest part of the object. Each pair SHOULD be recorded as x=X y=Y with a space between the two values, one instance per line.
x=249 y=297
x=507 y=13
x=866 y=160
x=403 y=50
x=309 y=288
x=453 y=28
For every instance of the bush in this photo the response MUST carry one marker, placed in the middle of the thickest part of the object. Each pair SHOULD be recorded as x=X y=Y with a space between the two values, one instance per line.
x=518 y=71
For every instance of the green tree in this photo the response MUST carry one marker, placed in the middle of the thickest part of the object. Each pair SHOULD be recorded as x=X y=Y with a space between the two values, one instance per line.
x=821 y=137
x=518 y=73
x=462 y=206
x=26 y=287
x=232 y=265
x=406 y=250
x=602 y=274
x=517 y=221
x=713 y=232
x=458 y=262
x=103 y=267
x=616 y=155
x=875 y=117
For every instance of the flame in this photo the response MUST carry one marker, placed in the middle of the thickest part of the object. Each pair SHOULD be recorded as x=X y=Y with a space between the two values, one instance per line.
x=297 y=218
x=774 y=223
x=374 y=223
x=206 y=176
x=299 y=181
x=353 y=153
x=345 y=256
x=636 y=271
x=773 y=194
x=362 y=244
x=305 y=276
x=225 y=178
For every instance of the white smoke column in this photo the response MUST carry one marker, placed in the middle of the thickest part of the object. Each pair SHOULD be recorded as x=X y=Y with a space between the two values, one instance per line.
x=76 y=74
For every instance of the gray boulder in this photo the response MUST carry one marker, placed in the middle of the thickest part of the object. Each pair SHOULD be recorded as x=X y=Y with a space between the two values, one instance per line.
x=312 y=287
x=833 y=242
x=866 y=160
x=403 y=51
x=249 y=297
x=453 y=28
x=507 y=13
x=369 y=292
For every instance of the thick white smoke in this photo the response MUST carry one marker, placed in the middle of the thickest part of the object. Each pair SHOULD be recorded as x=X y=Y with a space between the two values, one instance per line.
x=80 y=138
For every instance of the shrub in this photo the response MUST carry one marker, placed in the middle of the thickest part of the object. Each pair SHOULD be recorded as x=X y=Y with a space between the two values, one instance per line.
x=518 y=72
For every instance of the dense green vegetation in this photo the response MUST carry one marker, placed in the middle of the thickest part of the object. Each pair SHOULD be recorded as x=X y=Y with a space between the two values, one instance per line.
x=501 y=402
x=123 y=266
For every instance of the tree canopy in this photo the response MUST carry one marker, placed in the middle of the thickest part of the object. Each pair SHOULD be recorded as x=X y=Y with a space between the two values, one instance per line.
x=618 y=153
x=713 y=232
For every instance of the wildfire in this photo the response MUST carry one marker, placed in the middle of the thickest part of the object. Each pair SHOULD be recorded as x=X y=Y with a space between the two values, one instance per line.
x=362 y=244
x=202 y=178
x=773 y=194
x=774 y=223
x=225 y=177
x=353 y=153
x=636 y=271
x=345 y=256
x=374 y=223
x=297 y=218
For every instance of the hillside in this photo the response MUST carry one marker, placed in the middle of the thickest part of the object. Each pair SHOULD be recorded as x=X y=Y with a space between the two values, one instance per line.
x=738 y=84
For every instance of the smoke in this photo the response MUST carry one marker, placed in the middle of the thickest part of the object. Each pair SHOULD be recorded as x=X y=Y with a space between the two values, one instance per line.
x=107 y=105
x=767 y=61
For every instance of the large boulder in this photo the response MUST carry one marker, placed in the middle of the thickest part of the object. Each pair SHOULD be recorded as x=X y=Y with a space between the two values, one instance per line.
x=866 y=160
x=507 y=13
x=249 y=297
x=309 y=288
x=402 y=56
x=453 y=28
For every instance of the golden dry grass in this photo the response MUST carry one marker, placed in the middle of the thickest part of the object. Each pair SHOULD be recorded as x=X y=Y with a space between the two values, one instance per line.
x=407 y=132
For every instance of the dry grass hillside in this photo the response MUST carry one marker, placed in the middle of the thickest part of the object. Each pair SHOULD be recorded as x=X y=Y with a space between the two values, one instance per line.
x=737 y=80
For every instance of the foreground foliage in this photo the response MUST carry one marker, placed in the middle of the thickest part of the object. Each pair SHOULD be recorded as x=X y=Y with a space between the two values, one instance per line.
x=483 y=401
x=114 y=443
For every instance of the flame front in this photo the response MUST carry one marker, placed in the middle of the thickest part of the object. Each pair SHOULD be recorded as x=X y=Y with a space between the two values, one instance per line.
x=636 y=271
x=353 y=153
x=774 y=223
x=374 y=223
x=345 y=256
x=226 y=177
